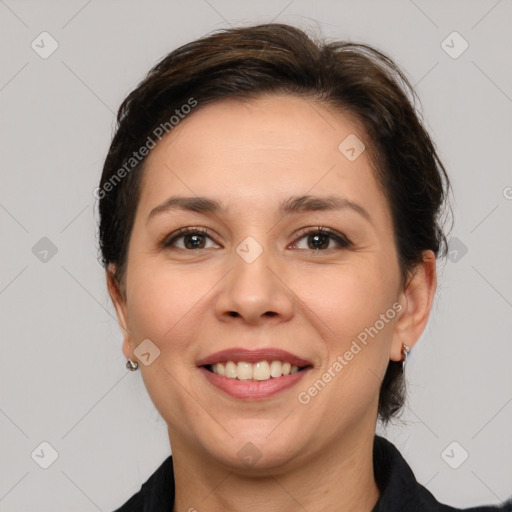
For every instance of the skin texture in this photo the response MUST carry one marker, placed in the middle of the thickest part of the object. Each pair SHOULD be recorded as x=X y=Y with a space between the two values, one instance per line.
x=252 y=155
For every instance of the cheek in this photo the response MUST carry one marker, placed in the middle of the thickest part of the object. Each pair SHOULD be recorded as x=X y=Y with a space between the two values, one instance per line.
x=165 y=307
x=162 y=304
x=345 y=298
x=353 y=314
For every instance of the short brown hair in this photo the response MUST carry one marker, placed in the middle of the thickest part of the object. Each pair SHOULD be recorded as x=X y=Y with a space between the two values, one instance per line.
x=249 y=61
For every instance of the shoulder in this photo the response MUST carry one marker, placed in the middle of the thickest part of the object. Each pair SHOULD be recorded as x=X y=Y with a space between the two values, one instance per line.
x=156 y=493
x=401 y=492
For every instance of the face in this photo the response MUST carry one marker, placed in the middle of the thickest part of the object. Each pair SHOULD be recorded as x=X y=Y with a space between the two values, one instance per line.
x=256 y=274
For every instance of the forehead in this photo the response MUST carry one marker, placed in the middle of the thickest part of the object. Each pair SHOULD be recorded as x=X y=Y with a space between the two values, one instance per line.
x=256 y=151
x=273 y=123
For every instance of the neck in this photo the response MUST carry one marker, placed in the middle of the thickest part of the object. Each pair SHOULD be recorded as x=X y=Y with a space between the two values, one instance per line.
x=339 y=478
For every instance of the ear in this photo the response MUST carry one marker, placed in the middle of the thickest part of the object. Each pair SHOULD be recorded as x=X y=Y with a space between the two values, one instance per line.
x=416 y=299
x=118 y=298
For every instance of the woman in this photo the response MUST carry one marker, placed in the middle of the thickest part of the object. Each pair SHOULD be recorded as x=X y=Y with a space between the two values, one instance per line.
x=269 y=227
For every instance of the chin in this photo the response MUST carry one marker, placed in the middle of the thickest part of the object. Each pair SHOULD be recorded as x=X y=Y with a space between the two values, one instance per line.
x=254 y=453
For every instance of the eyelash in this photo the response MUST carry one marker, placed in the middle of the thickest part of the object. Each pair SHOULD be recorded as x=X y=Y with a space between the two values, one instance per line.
x=341 y=240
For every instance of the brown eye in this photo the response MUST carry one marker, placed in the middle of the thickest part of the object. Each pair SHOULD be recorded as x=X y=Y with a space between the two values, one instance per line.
x=319 y=239
x=193 y=239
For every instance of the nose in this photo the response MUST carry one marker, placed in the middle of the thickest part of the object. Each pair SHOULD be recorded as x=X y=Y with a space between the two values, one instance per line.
x=254 y=293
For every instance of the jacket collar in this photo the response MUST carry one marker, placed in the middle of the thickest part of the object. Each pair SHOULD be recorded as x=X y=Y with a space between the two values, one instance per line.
x=399 y=490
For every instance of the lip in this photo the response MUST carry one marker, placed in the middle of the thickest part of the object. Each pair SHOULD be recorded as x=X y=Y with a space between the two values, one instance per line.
x=253 y=356
x=251 y=389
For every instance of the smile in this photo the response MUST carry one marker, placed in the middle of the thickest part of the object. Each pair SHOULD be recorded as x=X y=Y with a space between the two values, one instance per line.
x=251 y=388
x=253 y=374
x=260 y=371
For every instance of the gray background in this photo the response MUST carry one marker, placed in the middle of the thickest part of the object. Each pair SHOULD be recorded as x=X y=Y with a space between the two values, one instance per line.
x=63 y=378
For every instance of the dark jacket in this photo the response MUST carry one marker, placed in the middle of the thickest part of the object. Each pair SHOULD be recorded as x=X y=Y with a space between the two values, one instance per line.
x=399 y=490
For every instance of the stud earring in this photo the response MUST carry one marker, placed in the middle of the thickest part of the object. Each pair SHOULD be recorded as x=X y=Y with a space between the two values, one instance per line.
x=132 y=365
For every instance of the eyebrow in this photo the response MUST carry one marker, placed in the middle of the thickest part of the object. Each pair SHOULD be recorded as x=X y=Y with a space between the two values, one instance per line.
x=292 y=205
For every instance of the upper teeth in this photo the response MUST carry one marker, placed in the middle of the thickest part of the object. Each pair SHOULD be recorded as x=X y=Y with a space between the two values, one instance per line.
x=258 y=371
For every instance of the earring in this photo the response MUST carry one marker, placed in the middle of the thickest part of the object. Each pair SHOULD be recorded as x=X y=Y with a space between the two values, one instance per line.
x=405 y=351
x=132 y=365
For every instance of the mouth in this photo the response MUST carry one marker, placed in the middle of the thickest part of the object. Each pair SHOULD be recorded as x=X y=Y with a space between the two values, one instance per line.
x=253 y=374
x=260 y=364
x=259 y=371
